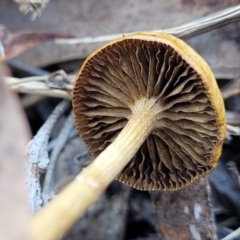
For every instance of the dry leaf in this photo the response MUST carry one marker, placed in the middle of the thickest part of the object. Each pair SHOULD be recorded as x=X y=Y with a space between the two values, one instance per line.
x=14 y=135
x=13 y=44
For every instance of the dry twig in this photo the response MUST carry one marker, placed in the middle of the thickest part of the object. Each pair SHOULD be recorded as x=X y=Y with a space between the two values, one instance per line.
x=188 y=30
x=38 y=160
x=233 y=118
x=30 y=100
x=233 y=236
x=233 y=171
x=37 y=85
x=59 y=144
x=231 y=89
x=233 y=130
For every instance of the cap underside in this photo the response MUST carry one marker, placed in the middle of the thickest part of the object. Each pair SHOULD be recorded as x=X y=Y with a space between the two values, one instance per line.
x=179 y=149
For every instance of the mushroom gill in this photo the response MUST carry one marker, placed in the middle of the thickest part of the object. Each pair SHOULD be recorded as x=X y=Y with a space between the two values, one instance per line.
x=187 y=130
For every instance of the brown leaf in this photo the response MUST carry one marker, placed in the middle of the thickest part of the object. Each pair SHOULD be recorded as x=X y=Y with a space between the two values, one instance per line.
x=13 y=44
x=14 y=135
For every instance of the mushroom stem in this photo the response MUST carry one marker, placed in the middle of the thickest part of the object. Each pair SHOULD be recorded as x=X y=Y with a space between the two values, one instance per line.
x=60 y=214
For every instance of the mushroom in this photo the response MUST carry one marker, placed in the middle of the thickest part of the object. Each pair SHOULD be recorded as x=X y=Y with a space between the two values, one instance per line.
x=150 y=111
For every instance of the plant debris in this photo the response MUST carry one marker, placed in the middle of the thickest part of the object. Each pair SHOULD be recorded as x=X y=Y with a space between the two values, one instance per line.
x=34 y=6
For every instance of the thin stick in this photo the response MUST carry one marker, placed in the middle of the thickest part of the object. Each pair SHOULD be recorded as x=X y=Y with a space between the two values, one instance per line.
x=37 y=85
x=231 y=89
x=188 y=30
x=233 y=236
x=233 y=130
x=66 y=208
x=38 y=160
x=31 y=100
x=59 y=145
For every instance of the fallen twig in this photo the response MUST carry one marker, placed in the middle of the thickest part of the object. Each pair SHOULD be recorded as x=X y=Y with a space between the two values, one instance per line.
x=188 y=30
x=231 y=89
x=59 y=145
x=232 y=168
x=233 y=118
x=38 y=159
x=50 y=85
x=38 y=85
x=31 y=100
x=233 y=236
x=224 y=185
x=233 y=130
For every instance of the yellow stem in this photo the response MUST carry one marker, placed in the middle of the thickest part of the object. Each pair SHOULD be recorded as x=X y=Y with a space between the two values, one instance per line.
x=60 y=214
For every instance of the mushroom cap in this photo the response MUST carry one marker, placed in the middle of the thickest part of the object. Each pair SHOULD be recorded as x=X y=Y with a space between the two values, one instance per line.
x=187 y=138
